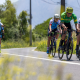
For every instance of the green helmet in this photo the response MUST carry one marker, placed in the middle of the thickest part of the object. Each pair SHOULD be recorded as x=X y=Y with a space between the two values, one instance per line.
x=69 y=9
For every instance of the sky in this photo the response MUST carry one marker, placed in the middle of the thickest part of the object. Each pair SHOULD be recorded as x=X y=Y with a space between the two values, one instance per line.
x=41 y=10
x=3 y=1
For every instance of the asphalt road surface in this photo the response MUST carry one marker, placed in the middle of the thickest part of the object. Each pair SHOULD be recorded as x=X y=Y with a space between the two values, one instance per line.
x=41 y=67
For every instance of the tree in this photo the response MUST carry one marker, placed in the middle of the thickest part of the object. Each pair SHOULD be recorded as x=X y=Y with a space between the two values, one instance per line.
x=42 y=29
x=10 y=14
x=23 y=22
x=8 y=18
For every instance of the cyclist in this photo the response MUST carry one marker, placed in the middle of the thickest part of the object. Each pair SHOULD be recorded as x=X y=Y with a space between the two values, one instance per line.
x=2 y=32
x=1 y=28
x=54 y=22
x=66 y=17
x=78 y=37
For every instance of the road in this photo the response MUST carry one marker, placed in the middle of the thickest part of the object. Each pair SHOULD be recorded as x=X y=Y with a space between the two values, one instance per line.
x=40 y=66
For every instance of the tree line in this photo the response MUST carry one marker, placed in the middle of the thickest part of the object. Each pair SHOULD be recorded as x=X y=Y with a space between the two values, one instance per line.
x=41 y=30
x=15 y=26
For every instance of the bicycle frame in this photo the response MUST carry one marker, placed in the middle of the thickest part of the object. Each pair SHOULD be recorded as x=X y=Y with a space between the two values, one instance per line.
x=67 y=38
x=66 y=46
x=53 y=47
x=52 y=39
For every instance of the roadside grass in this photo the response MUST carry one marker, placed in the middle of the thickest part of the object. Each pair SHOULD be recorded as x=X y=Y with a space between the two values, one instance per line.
x=14 y=44
x=42 y=45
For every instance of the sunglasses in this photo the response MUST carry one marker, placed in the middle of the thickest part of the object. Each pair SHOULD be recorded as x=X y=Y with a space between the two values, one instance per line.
x=69 y=13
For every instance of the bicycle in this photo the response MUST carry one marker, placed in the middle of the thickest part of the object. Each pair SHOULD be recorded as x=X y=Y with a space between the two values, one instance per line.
x=78 y=56
x=79 y=52
x=66 y=47
x=52 y=48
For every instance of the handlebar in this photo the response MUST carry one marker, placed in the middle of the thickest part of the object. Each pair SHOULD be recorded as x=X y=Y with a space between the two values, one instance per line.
x=69 y=30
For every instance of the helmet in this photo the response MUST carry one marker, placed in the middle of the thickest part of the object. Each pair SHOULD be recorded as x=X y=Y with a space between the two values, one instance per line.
x=69 y=9
x=56 y=16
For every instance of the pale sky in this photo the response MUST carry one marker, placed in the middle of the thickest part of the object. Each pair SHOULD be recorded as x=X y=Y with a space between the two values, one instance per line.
x=3 y=1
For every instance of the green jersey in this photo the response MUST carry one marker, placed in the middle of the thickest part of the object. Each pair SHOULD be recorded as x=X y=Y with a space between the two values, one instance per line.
x=65 y=19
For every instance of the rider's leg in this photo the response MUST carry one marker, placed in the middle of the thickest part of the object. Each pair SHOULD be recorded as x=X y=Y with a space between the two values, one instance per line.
x=48 y=43
x=56 y=37
x=62 y=38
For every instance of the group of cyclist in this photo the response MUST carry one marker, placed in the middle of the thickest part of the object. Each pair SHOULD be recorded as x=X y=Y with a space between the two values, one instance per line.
x=62 y=24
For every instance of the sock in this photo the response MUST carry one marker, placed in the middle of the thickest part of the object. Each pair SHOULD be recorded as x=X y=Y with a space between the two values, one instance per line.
x=47 y=48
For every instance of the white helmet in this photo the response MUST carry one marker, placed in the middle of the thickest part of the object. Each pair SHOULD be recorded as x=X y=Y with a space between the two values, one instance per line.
x=56 y=16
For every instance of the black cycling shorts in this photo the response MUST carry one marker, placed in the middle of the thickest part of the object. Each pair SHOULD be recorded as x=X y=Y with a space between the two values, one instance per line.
x=50 y=34
x=67 y=25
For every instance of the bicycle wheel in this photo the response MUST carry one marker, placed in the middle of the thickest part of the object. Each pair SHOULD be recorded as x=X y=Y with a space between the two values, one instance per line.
x=54 y=50
x=69 y=50
x=50 y=50
x=60 y=53
x=79 y=54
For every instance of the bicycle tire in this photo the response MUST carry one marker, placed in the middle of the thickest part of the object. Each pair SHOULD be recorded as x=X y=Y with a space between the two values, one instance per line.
x=78 y=55
x=51 y=51
x=54 y=51
x=68 y=56
x=60 y=53
x=52 y=48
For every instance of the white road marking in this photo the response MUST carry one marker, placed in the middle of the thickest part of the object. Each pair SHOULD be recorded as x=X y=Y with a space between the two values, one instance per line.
x=44 y=59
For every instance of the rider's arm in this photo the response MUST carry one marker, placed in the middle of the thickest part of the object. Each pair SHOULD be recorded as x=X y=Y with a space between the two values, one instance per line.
x=62 y=21
x=76 y=26
x=2 y=25
x=62 y=24
x=60 y=30
x=50 y=24
x=59 y=25
x=50 y=27
x=75 y=21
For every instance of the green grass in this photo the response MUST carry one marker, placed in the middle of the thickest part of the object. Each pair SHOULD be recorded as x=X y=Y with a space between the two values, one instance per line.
x=42 y=45
x=14 y=44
